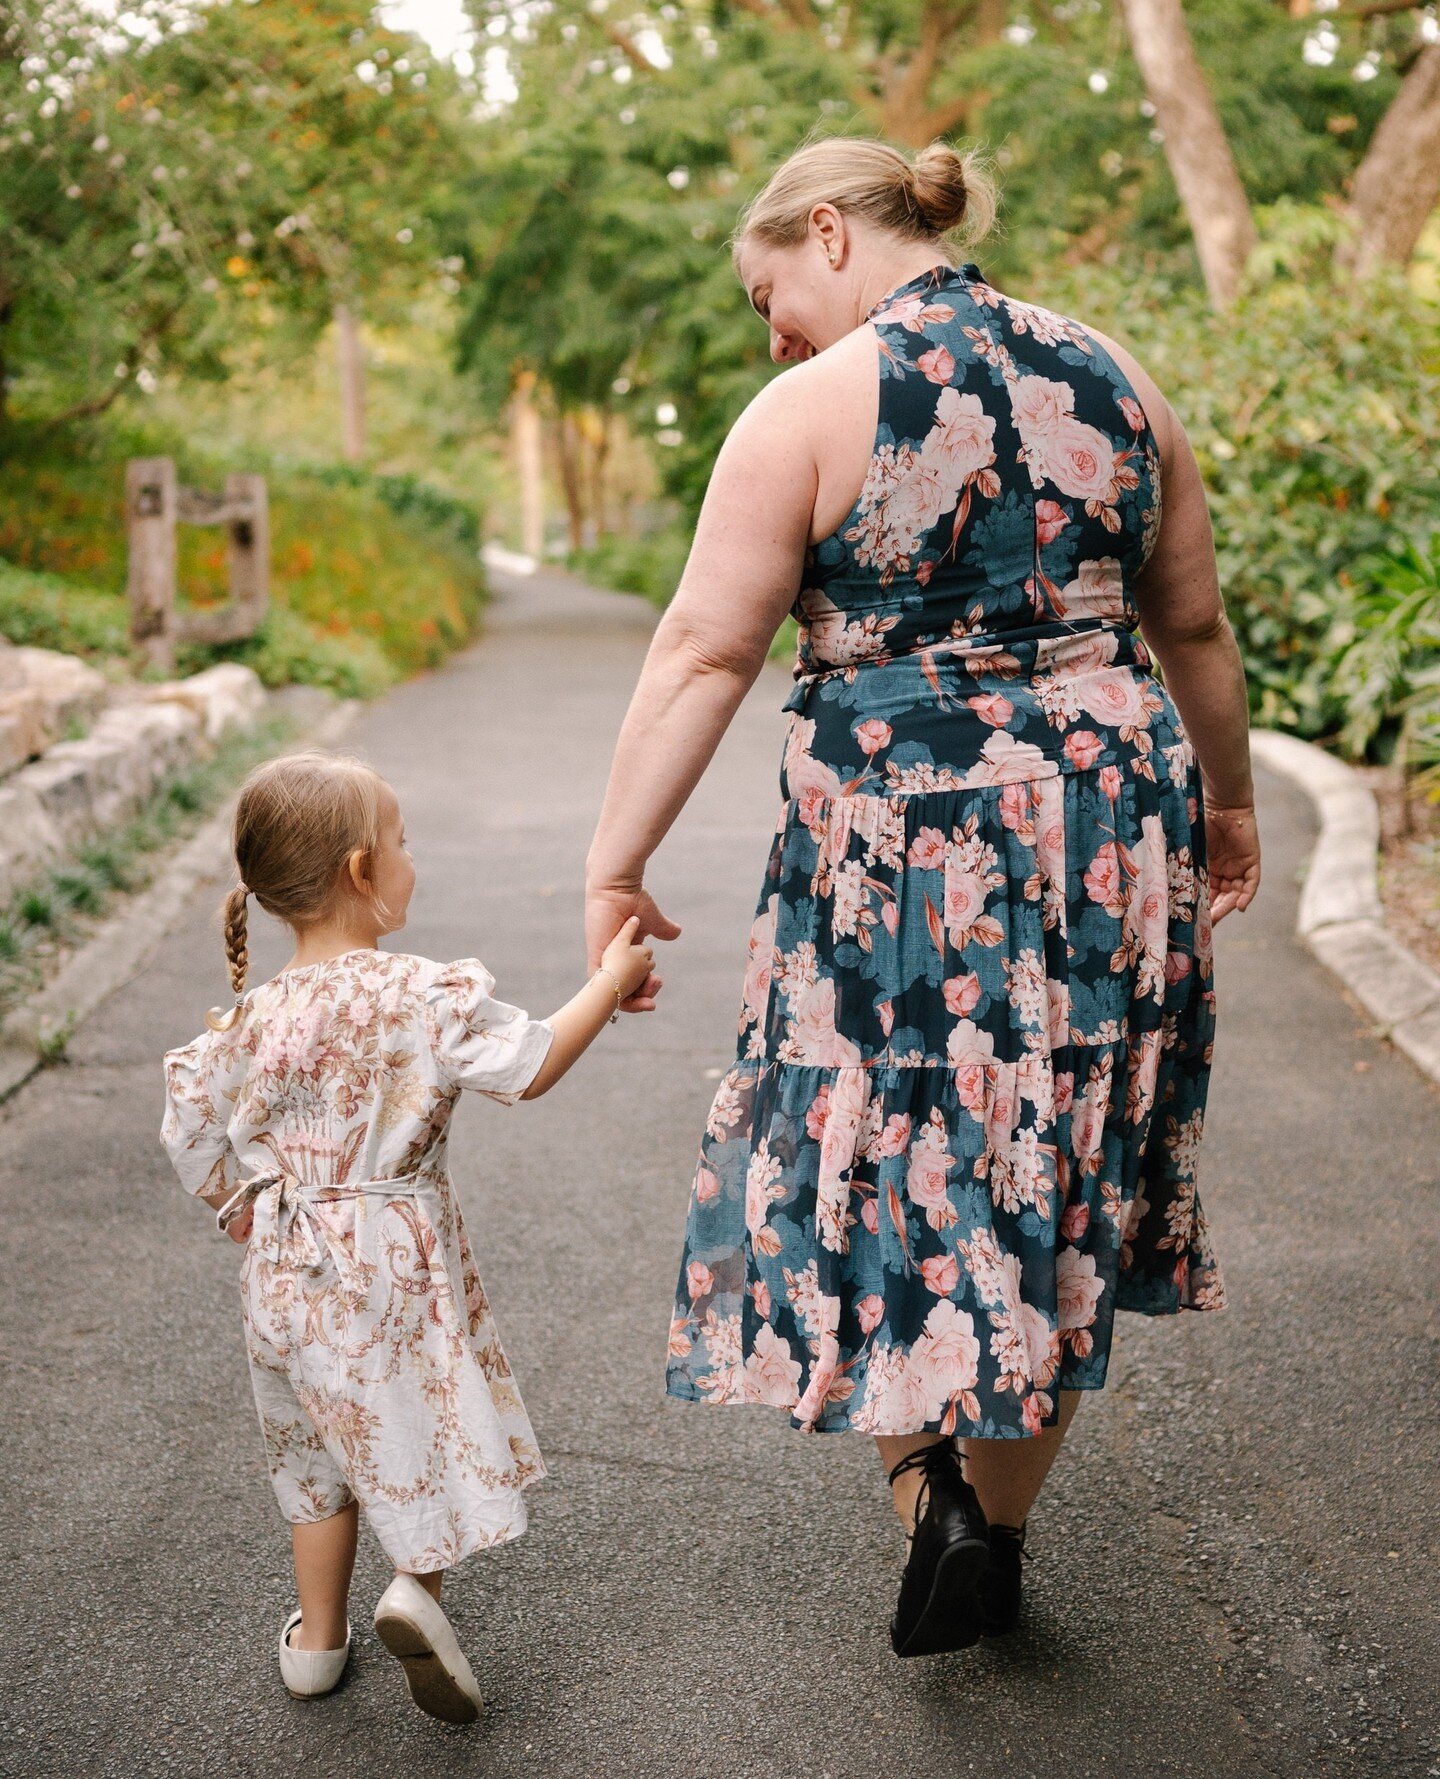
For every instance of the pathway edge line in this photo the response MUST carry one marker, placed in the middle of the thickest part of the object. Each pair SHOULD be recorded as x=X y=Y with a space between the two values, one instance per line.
x=121 y=947
x=1341 y=917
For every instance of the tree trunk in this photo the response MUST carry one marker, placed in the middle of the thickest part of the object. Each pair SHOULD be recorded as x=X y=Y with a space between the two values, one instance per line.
x=351 y=351
x=568 y=447
x=1397 y=185
x=529 y=467
x=597 y=437
x=1195 y=144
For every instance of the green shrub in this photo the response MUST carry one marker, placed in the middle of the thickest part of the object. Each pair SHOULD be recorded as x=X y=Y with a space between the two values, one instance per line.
x=1313 y=410
x=372 y=577
x=649 y=565
x=1387 y=676
x=45 y=612
x=288 y=650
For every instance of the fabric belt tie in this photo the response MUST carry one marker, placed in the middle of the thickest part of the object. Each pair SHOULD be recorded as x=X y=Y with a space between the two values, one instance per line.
x=285 y=1204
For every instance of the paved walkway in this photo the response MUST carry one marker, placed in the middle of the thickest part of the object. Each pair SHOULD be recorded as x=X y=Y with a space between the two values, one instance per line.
x=1233 y=1570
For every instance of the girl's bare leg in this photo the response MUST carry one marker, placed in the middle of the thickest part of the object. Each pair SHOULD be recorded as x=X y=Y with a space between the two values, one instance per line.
x=431 y=1582
x=1007 y=1474
x=324 y=1558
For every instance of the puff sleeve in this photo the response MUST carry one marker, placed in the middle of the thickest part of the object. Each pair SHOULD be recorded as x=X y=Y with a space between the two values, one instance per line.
x=481 y=1044
x=202 y=1082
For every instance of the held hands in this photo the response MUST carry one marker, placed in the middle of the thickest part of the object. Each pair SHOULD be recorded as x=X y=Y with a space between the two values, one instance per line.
x=629 y=962
x=1232 y=852
x=607 y=907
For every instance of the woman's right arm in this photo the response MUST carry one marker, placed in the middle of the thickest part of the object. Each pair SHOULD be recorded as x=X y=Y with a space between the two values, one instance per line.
x=1182 y=618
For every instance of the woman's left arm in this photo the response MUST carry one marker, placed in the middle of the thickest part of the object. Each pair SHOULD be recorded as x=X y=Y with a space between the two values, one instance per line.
x=741 y=578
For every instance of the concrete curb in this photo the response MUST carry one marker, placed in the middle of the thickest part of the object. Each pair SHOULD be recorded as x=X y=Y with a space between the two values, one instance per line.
x=1341 y=916
x=120 y=948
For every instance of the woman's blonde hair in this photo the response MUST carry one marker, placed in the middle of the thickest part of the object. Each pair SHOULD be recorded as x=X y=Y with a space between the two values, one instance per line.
x=298 y=822
x=940 y=192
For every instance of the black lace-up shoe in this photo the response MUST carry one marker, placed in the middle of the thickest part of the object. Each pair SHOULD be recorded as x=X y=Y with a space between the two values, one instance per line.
x=939 y=1606
x=1000 y=1582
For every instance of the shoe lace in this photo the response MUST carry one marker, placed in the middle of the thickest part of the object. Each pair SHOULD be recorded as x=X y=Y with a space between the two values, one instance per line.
x=1015 y=1535
x=929 y=1459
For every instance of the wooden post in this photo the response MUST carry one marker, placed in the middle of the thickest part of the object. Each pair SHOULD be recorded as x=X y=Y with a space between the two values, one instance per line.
x=150 y=507
x=351 y=352
x=249 y=550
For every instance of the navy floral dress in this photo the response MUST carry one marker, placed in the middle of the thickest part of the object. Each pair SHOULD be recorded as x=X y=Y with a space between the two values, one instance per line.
x=963 y=1121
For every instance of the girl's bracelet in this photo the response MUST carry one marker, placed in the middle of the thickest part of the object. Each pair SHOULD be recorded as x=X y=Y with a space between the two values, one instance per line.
x=615 y=984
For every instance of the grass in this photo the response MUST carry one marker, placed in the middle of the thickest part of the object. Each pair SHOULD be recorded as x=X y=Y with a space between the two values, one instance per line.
x=57 y=913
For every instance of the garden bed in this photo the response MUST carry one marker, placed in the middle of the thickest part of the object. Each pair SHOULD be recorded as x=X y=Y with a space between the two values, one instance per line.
x=1409 y=864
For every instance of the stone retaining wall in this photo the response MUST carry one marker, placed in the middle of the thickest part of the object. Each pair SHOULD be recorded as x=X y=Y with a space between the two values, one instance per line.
x=77 y=790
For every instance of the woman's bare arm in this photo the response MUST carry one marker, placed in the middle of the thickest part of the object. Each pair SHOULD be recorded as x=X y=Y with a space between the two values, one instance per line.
x=1182 y=618
x=742 y=576
x=1182 y=612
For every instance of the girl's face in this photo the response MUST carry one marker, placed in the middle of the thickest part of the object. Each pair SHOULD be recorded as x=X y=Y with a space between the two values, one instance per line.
x=391 y=876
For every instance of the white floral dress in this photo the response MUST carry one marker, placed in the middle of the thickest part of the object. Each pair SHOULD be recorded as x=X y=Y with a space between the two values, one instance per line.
x=377 y=1370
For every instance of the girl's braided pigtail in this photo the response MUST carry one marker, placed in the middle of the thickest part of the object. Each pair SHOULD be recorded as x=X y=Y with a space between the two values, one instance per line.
x=233 y=918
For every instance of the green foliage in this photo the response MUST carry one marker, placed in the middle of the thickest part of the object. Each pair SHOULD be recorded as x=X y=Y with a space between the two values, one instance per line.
x=1388 y=676
x=372 y=577
x=595 y=230
x=649 y=565
x=289 y=651
x=177 y=174
x=46 y=612
x=1312 y=410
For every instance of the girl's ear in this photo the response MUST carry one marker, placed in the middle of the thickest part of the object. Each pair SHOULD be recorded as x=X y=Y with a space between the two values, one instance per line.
x=356 y=869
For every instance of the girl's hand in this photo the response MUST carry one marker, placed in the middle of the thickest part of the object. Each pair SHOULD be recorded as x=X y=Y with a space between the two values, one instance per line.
x=607 y=908
x=240 y=1225
x=631 y=963
x=1232 y=853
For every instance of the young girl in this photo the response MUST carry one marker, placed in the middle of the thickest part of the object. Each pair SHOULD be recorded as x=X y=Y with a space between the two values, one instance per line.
x=314 y=1118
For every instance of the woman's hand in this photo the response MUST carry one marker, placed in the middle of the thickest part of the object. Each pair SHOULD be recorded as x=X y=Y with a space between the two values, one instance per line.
x=1232 y=853
x=607 y=907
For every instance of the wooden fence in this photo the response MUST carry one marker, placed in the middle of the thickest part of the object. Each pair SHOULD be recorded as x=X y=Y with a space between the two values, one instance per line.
x=154 y=504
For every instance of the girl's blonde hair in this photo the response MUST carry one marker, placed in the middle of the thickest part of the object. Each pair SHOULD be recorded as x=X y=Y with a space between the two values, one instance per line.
x=298 y=822
x=941 y=191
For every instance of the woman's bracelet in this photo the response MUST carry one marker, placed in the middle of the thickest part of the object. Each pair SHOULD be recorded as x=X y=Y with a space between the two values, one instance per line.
x=615 y=984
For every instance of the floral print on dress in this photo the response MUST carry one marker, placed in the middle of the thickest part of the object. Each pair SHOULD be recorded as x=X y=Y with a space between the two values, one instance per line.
x=962 y=1125
x=377 y=1370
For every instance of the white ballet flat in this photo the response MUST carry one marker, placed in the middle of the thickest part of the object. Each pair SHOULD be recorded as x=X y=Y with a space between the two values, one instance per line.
x=310 y=1673
x=417 y=1633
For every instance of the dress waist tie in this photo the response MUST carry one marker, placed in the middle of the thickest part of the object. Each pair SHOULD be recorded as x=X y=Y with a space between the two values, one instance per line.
x=284 y=1204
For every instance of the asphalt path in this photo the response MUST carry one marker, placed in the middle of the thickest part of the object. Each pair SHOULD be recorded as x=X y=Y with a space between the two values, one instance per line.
x=1234 y=1562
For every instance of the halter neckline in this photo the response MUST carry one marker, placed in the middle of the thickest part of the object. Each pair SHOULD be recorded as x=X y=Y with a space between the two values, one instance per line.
x=931 y=279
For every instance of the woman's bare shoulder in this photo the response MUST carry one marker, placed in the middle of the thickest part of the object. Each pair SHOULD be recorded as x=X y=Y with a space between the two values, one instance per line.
x=842 y=373
x=1162 y=417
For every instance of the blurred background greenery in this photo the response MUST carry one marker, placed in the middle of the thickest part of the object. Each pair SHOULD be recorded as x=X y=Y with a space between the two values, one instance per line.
x=387 y=254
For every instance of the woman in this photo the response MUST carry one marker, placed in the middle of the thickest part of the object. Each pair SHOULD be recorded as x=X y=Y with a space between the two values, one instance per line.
x=962 y=1126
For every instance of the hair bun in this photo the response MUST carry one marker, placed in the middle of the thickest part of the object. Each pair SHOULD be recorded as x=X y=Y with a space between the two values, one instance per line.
x=940 y=188
x=949 y=189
